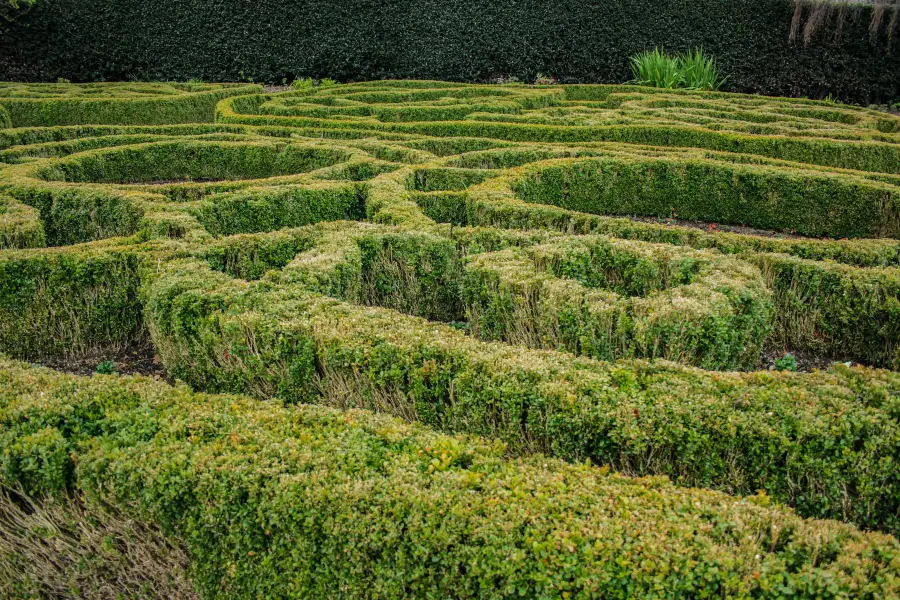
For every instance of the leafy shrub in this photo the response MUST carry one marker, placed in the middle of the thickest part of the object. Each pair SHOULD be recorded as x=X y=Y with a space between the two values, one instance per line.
x=786 y=363
x=308 y=83
x=107 y=367
x=300 y=501
x=310 y=331
x=11 y=10
x=611 y=299
x=303 y=83
x=498 y=38
x=210 y=238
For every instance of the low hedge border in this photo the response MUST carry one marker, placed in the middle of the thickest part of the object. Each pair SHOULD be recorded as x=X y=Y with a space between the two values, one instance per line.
x=256 y=184
x=271 y=337
x=810 y=440
x=611 y=299
x=862 y=145
x=339 y=312
x=764 y=197
x=845 y=310
x=300 y=501
x=20 y=225
x=69 y=302
x=118 y=104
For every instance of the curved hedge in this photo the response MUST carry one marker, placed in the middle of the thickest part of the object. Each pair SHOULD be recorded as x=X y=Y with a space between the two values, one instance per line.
x=614 y=299
x=20 y=225
x=393 y=245
x=301 y=501
x=33 y=105
x=282 y=336
x=836 y=296
x=464 y=40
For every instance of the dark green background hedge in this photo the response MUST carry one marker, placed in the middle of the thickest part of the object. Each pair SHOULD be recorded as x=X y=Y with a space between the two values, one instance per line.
x=575 y=40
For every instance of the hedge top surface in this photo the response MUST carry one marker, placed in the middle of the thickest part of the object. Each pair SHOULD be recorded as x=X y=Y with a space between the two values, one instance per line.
x=350 y=246
x=810 y=132
x=299 y=501
x=103 y=91
x=35 y=104
x=615 y=298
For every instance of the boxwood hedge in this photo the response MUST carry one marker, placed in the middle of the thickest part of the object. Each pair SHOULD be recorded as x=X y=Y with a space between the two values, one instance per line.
x=31 y=105
x=301 y=501
x=395 y=246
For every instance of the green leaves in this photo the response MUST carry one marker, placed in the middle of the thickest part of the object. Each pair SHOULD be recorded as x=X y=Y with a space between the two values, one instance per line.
x=654 y=68
x=299 y=501
x=359 y=245
x=693 y=70
x=699 y=71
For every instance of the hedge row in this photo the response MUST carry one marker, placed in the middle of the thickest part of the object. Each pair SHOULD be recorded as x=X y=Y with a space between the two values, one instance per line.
x=115 y=104
x=863 y=142
x=271 y=337
x=834 y=308
x=847 y=310
x=301 y=501
x=766 y=198
x=82 y=134
x=612 y=299
x=55 y=302
x=224 y=40
x=20 y=225
x=178 y=184
x=825 y=443
x=378 y=314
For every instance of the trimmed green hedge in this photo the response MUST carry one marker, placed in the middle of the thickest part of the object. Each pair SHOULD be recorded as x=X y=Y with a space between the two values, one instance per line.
x=835 y=308
x=799 y=130
x=56 y=302
x=612 y=299
x=471 y=40
x=216 y=183
x=839 y=309
x=215 y=160
x=302 y=501
x=184 y=234
x=270 y=209
x=114 y=104
x=825 y=443
x=765 y=198
x=20 y=225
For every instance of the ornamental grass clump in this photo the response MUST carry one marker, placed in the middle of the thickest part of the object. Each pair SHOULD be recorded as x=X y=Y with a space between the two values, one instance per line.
x=693 y=70
x=699 y=71
x=655 y=68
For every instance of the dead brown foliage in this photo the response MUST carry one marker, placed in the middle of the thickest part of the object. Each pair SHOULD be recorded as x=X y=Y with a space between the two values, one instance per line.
x=59 y=548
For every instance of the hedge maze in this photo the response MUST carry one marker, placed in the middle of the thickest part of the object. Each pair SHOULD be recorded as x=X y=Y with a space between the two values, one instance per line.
x=564 y=290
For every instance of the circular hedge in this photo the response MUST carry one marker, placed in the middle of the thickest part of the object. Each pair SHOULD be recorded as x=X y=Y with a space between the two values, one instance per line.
x=584 y=272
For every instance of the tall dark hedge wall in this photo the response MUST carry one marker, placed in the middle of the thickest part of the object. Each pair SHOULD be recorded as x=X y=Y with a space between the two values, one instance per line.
x=466 y=40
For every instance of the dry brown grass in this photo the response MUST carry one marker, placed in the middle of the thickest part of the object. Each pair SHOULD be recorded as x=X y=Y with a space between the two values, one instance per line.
x=827 y=17
x=59 y=548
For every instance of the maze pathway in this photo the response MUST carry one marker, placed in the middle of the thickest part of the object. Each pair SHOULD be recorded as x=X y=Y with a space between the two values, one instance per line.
x=587 y=273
